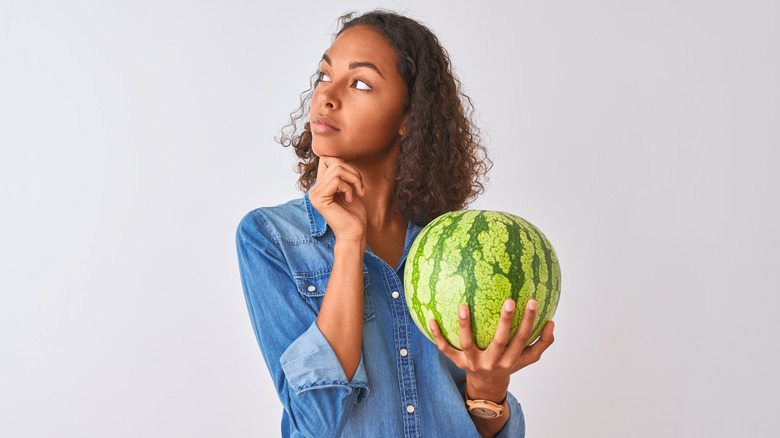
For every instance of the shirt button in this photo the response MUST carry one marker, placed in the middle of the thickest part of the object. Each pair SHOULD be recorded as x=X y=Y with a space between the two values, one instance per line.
x=395 y=294
x=410 y=409
x=404 y=352
x=312 y=288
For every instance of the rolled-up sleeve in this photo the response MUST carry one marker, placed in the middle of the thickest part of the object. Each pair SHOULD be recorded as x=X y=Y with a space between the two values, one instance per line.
x=310 y=363
x=308 y=377
x=515 y=426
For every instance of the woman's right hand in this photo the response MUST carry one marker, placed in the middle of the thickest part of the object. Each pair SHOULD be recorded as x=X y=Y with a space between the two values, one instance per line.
x=337 y=196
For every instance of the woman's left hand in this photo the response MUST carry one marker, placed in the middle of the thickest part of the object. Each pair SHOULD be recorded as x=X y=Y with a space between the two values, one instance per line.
x=489 y=370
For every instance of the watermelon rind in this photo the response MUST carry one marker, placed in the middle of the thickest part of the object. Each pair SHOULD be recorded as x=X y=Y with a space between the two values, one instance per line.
x=480 y=258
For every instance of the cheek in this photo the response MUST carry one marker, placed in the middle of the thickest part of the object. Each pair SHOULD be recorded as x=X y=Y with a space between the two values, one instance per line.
x=387 y=129
x=313 y=99
x=314 y=102
x=381 y=124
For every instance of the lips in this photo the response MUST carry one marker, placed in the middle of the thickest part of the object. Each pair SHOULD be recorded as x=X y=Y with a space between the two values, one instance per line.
x=323 y=125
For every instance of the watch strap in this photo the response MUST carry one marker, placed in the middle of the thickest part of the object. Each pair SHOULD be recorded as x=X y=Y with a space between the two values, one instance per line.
x=484 y=408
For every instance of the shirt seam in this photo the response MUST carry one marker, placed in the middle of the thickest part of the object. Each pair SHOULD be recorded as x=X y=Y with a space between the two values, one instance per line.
x=279 y=239
x=329 y=384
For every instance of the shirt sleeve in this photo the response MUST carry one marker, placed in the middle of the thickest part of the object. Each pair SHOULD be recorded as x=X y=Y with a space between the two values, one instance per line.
x=515 y=426
x=307 y=375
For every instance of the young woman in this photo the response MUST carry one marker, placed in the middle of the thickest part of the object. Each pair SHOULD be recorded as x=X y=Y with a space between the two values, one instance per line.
x=389 y=145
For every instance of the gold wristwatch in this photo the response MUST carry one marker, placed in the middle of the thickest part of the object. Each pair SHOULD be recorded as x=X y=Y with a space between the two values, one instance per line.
x=484 y=408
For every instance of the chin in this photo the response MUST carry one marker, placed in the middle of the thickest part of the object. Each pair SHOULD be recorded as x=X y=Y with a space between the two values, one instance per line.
x=320 y=150
x=316 y=149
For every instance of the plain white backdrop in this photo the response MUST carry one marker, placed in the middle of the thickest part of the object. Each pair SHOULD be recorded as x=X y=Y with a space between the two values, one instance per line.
x=641 y=137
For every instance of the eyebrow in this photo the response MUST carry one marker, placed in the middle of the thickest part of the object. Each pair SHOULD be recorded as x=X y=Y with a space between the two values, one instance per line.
x=354 y=65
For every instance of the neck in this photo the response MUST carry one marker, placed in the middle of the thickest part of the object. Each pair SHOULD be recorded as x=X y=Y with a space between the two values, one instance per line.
x=379 y=201
x=378 y=180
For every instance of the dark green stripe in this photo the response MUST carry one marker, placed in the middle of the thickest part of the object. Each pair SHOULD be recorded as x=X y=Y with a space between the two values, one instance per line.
x=468 y=261
x=516 y=276
x=552 y=269
x=444 y=237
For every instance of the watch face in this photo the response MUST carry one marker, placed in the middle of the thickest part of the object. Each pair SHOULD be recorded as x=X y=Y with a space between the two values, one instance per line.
x=484 y=413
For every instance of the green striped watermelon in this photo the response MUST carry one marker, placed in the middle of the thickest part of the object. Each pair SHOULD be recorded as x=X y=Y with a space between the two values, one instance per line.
x=480 y=258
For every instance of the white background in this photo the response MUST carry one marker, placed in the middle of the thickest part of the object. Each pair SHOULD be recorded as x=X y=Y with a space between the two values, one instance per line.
x=641 y=137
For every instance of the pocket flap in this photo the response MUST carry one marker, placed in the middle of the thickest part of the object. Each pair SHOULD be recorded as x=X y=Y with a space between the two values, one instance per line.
x=313 y=285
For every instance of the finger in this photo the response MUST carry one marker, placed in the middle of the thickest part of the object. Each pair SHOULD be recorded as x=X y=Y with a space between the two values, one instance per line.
x=520 y=339
x=332 y=185
x=533 y=353
x=441 y=343
x=352 y=178
x=327 y=189
x=325 y=167
x=346 y=174
x=348 y=191
x=465 y=335
x=501 y=337
x=322 y=166
x=337 y=166
x=322 y=170
x=348 y=188
x=327 y=160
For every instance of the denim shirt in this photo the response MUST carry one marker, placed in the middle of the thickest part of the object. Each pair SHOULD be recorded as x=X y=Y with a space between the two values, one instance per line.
x=403 y=385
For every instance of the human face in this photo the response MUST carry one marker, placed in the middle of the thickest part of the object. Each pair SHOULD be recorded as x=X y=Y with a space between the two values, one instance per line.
x=357 y=108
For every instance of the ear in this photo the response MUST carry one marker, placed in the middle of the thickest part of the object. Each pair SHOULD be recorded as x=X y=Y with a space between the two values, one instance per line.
x=402 y=131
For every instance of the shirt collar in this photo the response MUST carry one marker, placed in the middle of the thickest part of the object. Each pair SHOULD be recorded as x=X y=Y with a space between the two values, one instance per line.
x=317 y=224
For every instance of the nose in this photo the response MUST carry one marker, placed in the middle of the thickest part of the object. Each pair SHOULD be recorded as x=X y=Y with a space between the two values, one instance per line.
x=327 y=97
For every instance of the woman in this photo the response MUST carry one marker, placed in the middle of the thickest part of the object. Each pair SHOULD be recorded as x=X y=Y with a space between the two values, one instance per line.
x=388 y=147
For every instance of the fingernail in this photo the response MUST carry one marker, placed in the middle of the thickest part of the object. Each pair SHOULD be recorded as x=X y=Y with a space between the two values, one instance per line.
x=509 y=305
x=431 y=325
x=532 y=304
x=464 y=312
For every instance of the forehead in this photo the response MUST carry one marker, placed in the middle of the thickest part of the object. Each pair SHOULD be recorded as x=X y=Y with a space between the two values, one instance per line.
x=363 y=44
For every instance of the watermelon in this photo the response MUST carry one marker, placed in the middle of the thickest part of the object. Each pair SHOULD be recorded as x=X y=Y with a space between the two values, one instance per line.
x=480 y=258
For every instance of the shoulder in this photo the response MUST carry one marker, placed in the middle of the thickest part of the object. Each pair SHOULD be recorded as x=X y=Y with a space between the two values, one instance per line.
x=283 y=222
x=280 y=239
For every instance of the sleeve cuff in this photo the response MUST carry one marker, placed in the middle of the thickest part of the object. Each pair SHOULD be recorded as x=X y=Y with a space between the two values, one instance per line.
x=310 y=363
x=515 y=426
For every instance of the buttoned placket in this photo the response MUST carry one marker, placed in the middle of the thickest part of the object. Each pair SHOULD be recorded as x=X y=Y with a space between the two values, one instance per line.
x=406 y=373
x=402 y=326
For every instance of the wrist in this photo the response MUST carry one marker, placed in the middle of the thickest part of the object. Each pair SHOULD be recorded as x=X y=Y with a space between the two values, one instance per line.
x=350 y=244
x=494 y=390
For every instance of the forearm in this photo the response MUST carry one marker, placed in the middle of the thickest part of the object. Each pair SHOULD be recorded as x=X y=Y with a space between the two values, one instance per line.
x=341 y=316
x=494 y=392
x=490 y=427
x=314 y=390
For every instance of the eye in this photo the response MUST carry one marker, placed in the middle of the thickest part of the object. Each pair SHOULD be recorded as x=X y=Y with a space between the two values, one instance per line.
x=360 y=85
x=323 y=77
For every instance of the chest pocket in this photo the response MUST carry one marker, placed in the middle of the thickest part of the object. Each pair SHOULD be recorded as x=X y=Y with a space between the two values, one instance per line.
x=312 y=285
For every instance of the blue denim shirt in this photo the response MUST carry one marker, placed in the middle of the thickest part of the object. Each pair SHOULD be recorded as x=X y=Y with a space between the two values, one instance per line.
x=403 y=385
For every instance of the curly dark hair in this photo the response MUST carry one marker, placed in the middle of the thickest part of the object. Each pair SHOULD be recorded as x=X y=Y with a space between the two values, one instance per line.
x=441 y=161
